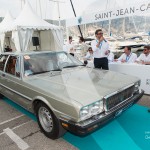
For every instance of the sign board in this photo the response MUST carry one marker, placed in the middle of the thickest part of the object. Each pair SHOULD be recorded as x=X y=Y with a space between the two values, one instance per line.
x=142 y=8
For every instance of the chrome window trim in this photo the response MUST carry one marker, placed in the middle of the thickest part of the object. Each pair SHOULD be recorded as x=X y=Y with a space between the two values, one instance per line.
x=5 y=62
x=4 y=71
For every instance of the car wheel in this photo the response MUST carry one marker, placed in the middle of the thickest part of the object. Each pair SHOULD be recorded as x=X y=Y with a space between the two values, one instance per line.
x=48 y=122
x=1 y=96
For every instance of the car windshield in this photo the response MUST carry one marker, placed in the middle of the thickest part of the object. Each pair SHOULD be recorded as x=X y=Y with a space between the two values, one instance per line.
x=39 y=63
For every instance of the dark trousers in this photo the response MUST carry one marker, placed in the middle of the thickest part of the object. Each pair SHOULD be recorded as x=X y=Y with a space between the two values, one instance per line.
x=101 y=63
x=72 y=54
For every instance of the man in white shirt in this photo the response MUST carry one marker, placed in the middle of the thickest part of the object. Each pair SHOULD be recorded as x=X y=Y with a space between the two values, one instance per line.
x=100 y=48
x=70 y=47
x=127 y=56
x=144 y=58
x=84 y=47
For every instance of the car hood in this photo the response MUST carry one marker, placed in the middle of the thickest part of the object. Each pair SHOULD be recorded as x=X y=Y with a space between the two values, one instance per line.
x=83 y=85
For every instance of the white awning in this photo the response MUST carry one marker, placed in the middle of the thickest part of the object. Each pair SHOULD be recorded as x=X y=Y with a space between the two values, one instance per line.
x=28 y=19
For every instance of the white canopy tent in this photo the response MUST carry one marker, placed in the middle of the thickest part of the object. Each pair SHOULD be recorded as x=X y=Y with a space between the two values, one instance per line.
x=27 y=25
x=4 y=38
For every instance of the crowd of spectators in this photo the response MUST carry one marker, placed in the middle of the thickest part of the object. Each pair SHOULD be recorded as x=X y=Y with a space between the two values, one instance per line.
x=100 y=53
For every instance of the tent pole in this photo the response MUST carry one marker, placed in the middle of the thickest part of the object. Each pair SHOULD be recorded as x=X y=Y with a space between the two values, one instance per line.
x=58 y=8
x=75 y=16
x=40 y=8
x=58 y=12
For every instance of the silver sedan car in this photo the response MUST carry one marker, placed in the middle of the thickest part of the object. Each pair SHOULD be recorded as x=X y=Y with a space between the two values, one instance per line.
x=63 y=93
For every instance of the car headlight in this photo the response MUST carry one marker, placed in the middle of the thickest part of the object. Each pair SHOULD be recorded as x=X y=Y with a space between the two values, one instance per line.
x=136 y=86
x=97 y=107
x=84 y=112
x=90 y=110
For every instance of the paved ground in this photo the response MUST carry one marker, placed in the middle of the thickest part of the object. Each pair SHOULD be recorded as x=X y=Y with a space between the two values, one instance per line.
x=145 y=101
x=28 y=132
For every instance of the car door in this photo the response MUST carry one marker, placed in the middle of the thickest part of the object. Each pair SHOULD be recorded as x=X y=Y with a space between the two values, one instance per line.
x=3 y=60
x=13 y=82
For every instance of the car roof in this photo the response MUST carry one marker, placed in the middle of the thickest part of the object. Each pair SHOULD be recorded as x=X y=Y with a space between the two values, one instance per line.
x=28 y=52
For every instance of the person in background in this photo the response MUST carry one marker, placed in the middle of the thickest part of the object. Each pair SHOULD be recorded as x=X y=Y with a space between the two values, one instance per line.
x=89 y=56
x=100 y=48
x=144 y=58
x=70 y=47
x=84 y=47
x=27 y=67
x=110 y=56
x=127 y=56
x=8 y=49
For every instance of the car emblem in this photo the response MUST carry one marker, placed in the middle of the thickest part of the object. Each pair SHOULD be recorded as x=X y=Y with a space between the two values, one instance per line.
x=95 y=117
x=121 y=98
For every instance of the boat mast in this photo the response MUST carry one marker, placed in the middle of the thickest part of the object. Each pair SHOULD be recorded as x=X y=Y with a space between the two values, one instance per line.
x=40 y=8
x=75 y=16
x=134 y=24
x=58 y=8
x=22 y=3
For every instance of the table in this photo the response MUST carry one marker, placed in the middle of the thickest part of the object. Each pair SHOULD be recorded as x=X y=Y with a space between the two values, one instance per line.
x=138 y=70
x=134 y=69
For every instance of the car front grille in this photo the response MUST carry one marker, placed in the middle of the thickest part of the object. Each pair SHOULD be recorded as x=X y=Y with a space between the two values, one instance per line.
x=118 y=98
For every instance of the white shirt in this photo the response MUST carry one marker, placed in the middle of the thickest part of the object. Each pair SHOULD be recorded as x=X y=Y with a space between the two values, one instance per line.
x=69 y=48
x=144 y=58
x=84 y=48
x=101 y=50
x=110 y=57
x=88 y=56
x=129 y=59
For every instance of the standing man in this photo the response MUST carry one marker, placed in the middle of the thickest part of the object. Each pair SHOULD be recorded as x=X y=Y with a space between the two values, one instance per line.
x=100 y=48
x=84 y=47
x=70 y=46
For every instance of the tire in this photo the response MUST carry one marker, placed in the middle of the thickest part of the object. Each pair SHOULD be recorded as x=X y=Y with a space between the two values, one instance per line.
x=1 y=96
x=48 y=122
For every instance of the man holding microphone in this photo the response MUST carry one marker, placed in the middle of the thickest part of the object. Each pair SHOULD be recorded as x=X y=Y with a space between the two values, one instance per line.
x=100 y=48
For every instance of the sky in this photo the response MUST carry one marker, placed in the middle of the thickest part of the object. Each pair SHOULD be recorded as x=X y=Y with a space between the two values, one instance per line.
x=50 y=9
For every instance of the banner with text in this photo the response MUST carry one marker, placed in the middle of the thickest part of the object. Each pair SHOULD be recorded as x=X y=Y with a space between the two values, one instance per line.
x=140 y=9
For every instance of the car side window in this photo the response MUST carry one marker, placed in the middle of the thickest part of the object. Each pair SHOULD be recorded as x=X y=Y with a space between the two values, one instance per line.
x=3 y=59
x=13 y=66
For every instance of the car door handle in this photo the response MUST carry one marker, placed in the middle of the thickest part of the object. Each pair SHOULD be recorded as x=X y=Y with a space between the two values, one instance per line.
x=3 y=75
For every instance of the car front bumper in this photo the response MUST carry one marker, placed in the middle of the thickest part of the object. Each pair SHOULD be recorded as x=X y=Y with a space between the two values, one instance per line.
x=95 y=122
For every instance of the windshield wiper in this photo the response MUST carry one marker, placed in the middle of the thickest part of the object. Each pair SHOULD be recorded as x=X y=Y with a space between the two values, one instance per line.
x=55 y=70
x=40 y=72
x=46 y=71
x=73 y=66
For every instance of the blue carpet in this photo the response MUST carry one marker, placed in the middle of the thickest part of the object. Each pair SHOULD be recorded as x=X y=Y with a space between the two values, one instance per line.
x=130 y=131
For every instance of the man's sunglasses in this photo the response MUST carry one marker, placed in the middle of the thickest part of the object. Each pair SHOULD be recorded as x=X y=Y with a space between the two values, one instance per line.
x=145 y=49
x=100 y=34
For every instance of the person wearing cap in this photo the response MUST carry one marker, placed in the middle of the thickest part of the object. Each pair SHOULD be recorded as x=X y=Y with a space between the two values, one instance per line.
x=100 y=48
x=127 y=56
x=144 y=58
